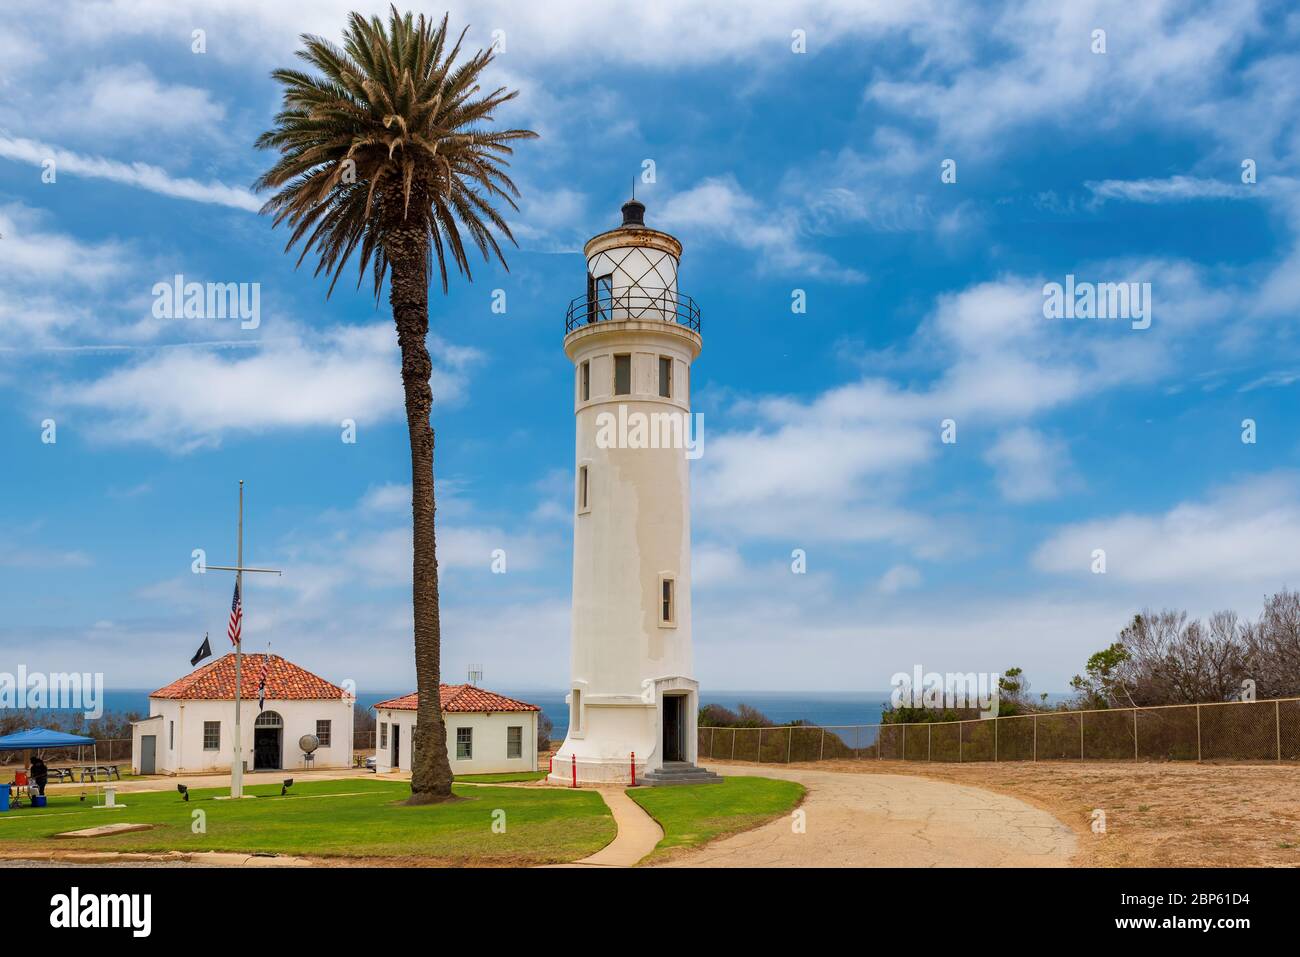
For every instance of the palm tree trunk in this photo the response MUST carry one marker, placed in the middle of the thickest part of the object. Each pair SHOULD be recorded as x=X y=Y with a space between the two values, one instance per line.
x=409 y=297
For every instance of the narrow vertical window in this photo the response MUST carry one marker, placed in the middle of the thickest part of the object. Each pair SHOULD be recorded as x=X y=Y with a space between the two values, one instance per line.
x=667 y=601
x=666 y=377
x=582 y=488
x=585 y=388
x=575 y=710
x=622 y=375
x=604 y=297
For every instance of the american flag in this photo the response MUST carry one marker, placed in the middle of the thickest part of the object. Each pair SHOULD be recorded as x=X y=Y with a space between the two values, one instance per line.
x=236 y=617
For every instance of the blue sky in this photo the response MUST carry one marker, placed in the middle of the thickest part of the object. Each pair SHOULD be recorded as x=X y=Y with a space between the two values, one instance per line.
x=780 y=171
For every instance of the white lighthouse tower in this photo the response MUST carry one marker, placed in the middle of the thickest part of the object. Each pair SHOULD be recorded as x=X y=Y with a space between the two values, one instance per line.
x=632 y=339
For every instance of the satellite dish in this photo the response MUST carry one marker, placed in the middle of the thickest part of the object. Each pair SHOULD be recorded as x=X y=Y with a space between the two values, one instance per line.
x=308 y=743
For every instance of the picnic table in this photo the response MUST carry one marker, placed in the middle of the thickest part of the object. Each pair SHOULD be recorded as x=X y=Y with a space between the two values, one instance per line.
x=110 y=771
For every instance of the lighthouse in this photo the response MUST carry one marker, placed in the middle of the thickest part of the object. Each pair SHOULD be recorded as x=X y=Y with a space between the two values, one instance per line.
x=632 y=338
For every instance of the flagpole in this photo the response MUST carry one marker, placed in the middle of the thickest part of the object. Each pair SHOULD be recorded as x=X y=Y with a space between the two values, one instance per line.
x=237 y=769
x=237 y=765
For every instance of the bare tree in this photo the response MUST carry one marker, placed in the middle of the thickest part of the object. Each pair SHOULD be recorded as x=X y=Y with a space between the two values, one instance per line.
x=1273 y=646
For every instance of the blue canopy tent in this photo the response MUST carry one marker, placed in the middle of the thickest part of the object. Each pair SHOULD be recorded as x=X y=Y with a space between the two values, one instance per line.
x=36 y=739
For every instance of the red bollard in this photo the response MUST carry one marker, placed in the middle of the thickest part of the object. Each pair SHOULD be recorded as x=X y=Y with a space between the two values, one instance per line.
x=550 y=764
x=575 y=770
x=633 y=769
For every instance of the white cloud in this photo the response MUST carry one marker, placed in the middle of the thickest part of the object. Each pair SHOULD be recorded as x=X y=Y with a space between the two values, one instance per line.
x=141 y=175
x=126 y=100
x=715 y=565
x=390 y=497
x=1030 y=466
x=719 y=207
x=1171 y=190
x=898 y=578
x=1245 y=533
x=186 y=398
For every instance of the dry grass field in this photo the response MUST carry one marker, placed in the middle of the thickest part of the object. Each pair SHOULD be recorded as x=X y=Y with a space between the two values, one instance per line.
x=1157 y=814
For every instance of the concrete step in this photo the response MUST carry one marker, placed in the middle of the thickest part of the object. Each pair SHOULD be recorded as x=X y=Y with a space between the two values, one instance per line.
x=679 y=772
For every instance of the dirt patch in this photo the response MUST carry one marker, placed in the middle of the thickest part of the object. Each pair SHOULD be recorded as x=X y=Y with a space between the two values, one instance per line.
x=1156 y=814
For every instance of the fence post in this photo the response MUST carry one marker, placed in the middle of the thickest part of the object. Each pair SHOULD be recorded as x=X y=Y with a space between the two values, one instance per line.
x=733 y=744
x=960 y=724
x=1080 y=735
x=713 y=734
x=1198 y=734
x=880 y=740
x=929 y=740
x=1135 y=734
x=789 y=744
x=822 y=754
x=902 y=754
x=760 y=745
x=995 y=739
x=1277 y=726
x=1035 y=736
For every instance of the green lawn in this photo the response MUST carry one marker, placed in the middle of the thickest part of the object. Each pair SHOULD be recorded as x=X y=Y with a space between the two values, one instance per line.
x=693 y=814
x=347 y=818
x=505 y=777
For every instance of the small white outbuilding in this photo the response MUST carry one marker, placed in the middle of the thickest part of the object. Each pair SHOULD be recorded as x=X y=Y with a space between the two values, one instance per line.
x=192 y=720
x=487 y=733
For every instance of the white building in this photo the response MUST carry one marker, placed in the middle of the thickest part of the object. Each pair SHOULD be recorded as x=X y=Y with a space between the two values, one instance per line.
x=632 y=340
x=487 y=733
x=191 y=721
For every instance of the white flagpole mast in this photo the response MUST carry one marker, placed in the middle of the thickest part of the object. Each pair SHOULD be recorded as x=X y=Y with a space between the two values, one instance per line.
x=237 y=765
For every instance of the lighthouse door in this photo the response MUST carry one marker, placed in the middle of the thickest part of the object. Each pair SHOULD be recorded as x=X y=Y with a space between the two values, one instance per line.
x=674 y=722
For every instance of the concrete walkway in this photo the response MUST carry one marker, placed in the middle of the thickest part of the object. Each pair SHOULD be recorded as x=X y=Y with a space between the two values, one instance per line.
x=637 y=833
x=888 y=820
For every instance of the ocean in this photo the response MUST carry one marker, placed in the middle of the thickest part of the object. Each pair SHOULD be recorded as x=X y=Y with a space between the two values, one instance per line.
x=824 y=708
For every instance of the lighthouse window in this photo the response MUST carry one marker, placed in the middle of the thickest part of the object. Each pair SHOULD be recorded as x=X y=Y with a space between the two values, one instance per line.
x=582 y=488
x=622 y=375
x=585 y=389
x=667 y=601
x=666 y=377
x=575 y=710
x=604 y=296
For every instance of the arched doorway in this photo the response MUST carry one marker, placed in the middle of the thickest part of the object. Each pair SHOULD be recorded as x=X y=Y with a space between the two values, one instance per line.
x=268 y=732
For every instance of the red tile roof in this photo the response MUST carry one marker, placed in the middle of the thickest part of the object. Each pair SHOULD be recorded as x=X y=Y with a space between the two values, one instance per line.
x=461 y=698
x=285 y=681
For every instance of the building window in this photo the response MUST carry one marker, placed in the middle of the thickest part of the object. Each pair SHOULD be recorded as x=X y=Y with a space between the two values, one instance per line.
x=514 y=742
x=584 y=379
x=667 y=600
x=582 y=488
x=171 y=735
x=623 y=375
x=575 y=710
x=604 y=296
x=464 y=744
x=211 y=735
x=383 y=734
x=323 y=733
x=666 y=377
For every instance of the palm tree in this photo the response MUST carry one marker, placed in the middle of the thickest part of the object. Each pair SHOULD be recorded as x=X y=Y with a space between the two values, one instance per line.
x=386 y=151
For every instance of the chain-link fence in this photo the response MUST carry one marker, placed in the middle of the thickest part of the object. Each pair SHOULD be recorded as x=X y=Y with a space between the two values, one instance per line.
x=1219 y=731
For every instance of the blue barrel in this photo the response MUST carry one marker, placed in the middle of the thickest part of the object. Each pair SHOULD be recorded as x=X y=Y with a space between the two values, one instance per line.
x=4 y=797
